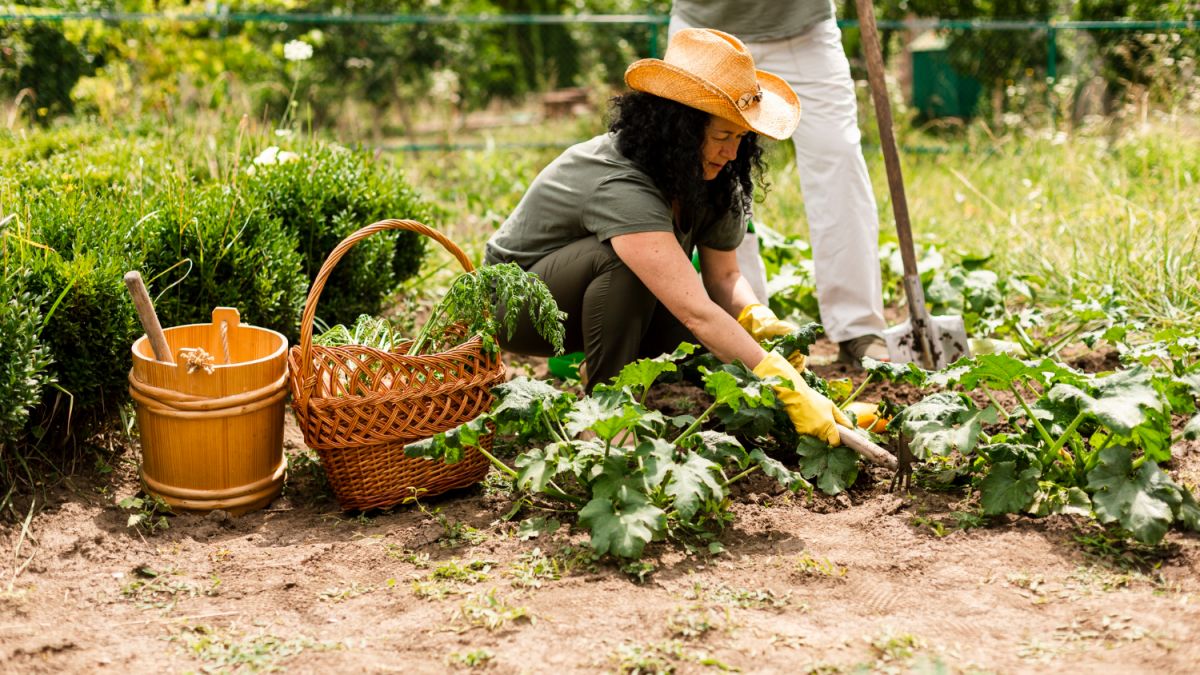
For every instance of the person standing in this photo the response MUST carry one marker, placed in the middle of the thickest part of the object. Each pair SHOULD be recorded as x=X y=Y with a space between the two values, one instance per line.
x=800 y=41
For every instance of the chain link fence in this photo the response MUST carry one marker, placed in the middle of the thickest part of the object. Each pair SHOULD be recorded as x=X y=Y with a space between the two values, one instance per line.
x=405 y=75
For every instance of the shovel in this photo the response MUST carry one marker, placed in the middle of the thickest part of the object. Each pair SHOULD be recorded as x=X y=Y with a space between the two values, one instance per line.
x=932 y=341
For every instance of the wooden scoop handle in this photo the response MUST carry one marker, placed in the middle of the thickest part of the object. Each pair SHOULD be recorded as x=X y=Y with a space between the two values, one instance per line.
x=863 y=446
x=145 y=310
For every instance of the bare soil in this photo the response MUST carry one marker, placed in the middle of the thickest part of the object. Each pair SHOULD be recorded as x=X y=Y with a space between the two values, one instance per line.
x=865 y=581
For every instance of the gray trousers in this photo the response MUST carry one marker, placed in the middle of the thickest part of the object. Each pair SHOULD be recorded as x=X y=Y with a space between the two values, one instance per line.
x=611 y=316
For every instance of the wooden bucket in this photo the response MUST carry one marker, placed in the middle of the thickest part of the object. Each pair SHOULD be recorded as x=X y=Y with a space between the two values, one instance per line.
x=212 y=438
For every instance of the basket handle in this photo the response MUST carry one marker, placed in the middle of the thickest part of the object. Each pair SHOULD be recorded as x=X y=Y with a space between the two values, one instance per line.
x=318 y=285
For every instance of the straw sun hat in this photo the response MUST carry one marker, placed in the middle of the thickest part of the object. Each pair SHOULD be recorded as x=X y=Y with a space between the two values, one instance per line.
x=713 y=71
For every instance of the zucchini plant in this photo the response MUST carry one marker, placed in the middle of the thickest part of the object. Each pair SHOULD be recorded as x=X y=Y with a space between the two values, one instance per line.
x=1069 y=442
x=633 y=475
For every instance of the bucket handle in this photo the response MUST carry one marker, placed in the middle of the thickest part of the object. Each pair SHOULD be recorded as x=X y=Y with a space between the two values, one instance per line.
x=308 y=380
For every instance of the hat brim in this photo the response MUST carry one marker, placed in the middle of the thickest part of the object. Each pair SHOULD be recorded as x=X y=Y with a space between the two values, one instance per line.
x=775 y=116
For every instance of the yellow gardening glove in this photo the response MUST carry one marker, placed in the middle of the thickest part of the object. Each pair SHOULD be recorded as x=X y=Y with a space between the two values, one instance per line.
x=762 y=324
x=810 y=412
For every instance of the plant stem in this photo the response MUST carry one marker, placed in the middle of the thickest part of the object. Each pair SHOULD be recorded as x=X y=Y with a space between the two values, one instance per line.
x=438 y=310
x=1024 y=339
x=694 y=425
x=741 y=475
x=562 y=438
x=996 y=404
x=497 y=463
x=557 y=492
x=1029 y=413
x=854 y=395
x=1066 y=434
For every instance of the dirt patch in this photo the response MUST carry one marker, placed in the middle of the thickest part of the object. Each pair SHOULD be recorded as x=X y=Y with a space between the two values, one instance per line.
x=864 y=580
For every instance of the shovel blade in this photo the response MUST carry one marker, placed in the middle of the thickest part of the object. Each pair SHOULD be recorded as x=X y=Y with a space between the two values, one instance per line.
x=949 y=336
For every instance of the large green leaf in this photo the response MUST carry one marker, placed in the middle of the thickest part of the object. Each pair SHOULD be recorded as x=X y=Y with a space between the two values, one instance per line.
x=908 y=373
x=944 y=422
x=1153 y=435
x=1021 y=454
x=692 y=481
x=792 y=480
x=1191 y=430
x=1119 y=401
x=522 y=406
x=833 y=468
x=1001 y=371
x=751 y=422
x=657 y=457
x=726 y=390
x=524 y=396
x=718 y=446
x=997 y=371
x=1005 y=490
x=798 y=340
x=639 y=375
x=1142 y=500
x=1188 y=511
x=607 y=412
x=538 y=466
x=622 y=526
x=448 y=446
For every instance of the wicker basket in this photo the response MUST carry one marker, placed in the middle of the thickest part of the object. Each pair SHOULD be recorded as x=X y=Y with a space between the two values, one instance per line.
x=358 y=406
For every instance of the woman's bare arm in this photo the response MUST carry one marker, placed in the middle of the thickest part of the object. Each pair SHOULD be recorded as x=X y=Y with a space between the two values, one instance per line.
x=659 y=262
x=724 y=281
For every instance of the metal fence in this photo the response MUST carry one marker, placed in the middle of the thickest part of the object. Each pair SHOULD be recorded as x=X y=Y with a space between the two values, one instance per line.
x=389 y=65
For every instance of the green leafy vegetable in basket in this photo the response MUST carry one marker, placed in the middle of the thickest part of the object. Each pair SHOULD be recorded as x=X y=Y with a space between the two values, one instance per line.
x=367 y=331
x=475 y=297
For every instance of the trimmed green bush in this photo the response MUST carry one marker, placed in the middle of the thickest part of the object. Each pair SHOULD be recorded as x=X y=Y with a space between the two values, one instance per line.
x=206 y=247
x=24 y=362
x=324 y=195
x=90 y=332
x=83 y=206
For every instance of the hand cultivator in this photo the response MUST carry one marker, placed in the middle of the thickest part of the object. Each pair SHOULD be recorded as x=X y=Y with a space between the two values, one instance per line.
x=932 y=341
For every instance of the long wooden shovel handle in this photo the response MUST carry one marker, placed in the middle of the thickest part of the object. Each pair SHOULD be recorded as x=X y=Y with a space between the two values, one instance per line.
x=145 y=310
x=913 y=290
x=863 y=446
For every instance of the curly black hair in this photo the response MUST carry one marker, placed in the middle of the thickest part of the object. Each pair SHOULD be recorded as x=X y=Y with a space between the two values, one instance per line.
x=665 y=138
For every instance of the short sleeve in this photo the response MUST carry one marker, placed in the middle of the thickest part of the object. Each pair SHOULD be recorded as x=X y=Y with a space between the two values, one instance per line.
x=626 y=204
x=726 y=232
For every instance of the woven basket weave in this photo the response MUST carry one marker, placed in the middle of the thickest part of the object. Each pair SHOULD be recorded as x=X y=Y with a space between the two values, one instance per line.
x=359 y=406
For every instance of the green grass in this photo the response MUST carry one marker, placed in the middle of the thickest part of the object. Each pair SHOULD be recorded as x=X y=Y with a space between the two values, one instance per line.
x=1073 y=212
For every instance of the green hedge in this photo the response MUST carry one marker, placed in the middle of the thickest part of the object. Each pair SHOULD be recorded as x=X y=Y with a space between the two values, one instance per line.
x=82 y=206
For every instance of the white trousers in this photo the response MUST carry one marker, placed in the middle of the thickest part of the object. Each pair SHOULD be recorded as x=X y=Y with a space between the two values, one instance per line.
x=842 y=219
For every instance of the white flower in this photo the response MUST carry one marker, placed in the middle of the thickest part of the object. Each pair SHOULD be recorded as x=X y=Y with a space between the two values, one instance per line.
x=297 y=50
x=268 y=156
x=444 y=85
x=273 y=155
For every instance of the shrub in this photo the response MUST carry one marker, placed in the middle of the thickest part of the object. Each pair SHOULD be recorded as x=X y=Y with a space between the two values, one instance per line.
x=91 y=329
x=323 y=197
x=222 y=250
x=24 y=362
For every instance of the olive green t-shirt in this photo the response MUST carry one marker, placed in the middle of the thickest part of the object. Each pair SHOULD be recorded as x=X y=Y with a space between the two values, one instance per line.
x=593 y=189
x=754 y=20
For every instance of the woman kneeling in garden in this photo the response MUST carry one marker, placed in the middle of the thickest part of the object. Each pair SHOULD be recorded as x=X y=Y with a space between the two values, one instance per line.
x=610 y=225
